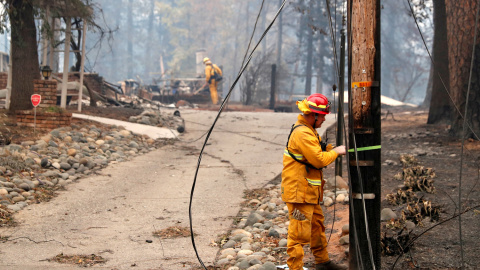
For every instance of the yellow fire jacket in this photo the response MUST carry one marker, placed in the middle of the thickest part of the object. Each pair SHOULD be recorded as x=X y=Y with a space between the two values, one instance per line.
x=302 y=184
x=209 y=72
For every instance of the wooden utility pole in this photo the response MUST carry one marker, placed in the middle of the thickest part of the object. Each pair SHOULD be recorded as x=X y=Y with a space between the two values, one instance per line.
x=364 y=132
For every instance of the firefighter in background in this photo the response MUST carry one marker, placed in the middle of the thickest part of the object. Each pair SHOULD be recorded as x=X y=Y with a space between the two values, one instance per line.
x=302 y=184
x=213 y=75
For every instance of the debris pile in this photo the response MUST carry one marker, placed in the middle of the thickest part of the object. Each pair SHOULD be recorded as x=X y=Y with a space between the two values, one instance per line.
x=414 y=176
x=416 y=210
x=418 y=178
x=173 y=232
x=160 y=119
x=402 y=197
x=80 y=260
x=394 y=245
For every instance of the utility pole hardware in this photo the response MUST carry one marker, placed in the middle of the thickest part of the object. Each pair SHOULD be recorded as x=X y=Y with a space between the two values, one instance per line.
x=364 y=132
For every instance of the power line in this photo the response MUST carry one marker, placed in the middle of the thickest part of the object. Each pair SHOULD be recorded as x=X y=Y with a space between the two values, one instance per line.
x=367 y=230
x=224 y=102
x=465 y=124
x=463 y=137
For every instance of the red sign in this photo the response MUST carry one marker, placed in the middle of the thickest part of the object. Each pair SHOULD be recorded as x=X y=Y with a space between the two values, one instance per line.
x=36 y=100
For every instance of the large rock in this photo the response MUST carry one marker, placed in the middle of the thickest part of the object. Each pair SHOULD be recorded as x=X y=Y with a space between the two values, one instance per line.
x=339 y=184
x=253 y=218
x=387 y=214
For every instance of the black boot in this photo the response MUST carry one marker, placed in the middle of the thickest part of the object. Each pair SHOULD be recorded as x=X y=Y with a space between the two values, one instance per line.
x=330 y=266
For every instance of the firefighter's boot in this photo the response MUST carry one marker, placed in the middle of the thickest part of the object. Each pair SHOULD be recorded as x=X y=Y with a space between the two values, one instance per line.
x=330 y=266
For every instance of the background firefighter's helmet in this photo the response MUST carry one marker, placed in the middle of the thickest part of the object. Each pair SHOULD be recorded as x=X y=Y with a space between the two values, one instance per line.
x=315 y=103
x=206 y=59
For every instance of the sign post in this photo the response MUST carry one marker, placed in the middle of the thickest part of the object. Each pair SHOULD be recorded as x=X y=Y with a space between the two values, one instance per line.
x=35 y=102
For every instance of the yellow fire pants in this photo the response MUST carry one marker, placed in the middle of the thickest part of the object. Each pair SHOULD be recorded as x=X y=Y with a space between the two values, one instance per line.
x=213 y=92
x=309 y=231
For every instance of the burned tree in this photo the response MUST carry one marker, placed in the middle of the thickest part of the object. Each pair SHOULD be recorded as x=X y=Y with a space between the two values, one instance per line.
x=25 y=67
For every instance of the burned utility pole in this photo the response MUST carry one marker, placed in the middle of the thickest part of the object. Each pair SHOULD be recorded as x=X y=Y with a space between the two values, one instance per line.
x=364 y=132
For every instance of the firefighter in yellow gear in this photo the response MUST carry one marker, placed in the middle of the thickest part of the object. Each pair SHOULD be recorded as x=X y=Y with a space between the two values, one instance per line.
x=302 y=184
x=210 y=70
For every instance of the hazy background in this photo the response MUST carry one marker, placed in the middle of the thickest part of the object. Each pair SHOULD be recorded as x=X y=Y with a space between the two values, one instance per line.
x=146 y=34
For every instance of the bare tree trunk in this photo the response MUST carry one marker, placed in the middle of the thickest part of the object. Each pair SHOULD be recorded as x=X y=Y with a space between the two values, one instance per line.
x=320 y=64
x=441 y=107
x=428 y=93
x=279 y=40
x=308 y=79
x=148 y=50
x=117 y=63
x=263 y=22
x=460 y=44
x=75 y=44
x=235 y=55
x=93 y=100
x=248 y=92
x=24 y=49
x=302 y=24
x=236 y=48
x=130 y=41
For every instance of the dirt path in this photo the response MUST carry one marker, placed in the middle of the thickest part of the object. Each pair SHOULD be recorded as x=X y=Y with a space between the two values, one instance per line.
x=114 y=214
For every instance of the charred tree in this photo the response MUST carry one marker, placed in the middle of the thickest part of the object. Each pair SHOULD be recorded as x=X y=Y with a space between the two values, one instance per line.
x=461 y=33
x=441 y=106
x=25 y=67
x=75 y=44
x=279 y=37
x=148 y=50
x=300 y=36
x=308 y=71
x=130 y=59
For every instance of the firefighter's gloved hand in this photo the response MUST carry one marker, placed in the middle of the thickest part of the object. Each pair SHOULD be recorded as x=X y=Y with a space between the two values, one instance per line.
x=329 y=147
x=298 y=215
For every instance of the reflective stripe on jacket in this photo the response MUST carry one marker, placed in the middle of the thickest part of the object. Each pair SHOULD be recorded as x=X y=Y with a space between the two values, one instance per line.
x=299 y=184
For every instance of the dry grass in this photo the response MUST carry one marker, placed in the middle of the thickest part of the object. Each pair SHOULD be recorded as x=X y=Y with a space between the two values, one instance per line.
x=6 y=217
x=173 y=232
x=80 y=260
x=44 y=194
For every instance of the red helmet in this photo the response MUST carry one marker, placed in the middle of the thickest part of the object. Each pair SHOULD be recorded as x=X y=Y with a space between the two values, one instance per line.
x=318 y=103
